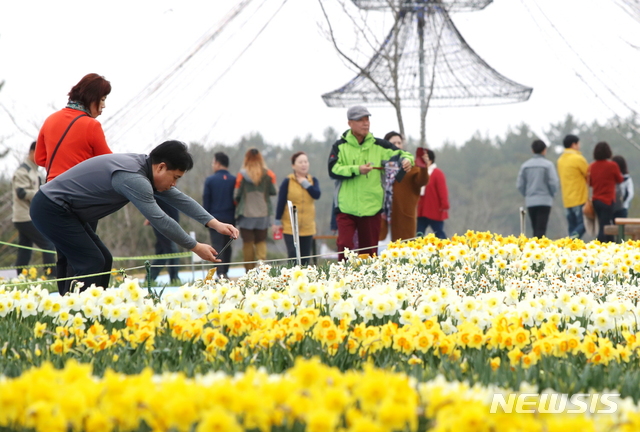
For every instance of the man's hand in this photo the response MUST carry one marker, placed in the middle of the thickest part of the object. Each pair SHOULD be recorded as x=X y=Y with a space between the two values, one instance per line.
x=205 y=252
x=365 y=169
x=406 y=165
x=223 y=228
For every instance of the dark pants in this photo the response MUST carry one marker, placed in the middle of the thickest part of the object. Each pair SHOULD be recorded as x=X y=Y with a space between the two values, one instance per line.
x=539 y=216
x=605 y=217
x=164 y=246
x=218 y=241
x=305 y=248
x=76 y=243
x=368 y=228
x=27 y=236
x=620 y=213
x=436 y=226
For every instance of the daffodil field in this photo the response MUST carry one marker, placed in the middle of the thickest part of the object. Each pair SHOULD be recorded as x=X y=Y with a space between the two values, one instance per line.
x=420 y=338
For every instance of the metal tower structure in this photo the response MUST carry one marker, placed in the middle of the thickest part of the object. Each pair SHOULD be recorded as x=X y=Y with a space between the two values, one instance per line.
x=424 y=61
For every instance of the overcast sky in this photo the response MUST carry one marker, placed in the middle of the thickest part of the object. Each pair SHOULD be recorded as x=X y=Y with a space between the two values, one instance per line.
x=267 y=68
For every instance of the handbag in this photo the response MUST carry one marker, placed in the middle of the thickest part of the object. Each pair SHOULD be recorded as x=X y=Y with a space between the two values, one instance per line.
x=588 y=210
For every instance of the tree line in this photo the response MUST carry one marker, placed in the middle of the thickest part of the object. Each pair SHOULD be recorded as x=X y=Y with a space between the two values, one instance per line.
x=481 y=177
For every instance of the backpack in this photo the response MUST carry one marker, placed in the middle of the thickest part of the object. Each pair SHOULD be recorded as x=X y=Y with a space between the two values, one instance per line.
x=622 y=193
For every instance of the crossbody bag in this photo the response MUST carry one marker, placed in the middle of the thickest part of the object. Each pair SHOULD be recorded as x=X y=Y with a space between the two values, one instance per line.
x=55 y=150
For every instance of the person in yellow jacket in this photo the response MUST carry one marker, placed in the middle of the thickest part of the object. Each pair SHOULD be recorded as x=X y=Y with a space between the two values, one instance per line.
x=302 y=190
x=572 y=170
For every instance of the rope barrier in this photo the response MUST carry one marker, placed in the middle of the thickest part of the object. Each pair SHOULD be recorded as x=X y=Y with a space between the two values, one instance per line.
x=148 y=266
x=134 y=258
x=141 y=257
x=272 y=260
x=123 y=271
x=28 y=266
x=148 y=257
x=27 y=247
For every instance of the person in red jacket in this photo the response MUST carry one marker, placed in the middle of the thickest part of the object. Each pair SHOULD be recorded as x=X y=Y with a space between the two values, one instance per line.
x=604 y=175
x=73 y=135
x=434 y=200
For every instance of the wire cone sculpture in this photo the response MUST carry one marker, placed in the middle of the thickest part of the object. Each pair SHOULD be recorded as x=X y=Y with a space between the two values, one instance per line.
x=450 y=5
x=425 y=61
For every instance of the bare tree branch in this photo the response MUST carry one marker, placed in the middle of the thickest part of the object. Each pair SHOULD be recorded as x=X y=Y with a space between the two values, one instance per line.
x=13 y=120
x=395 y=101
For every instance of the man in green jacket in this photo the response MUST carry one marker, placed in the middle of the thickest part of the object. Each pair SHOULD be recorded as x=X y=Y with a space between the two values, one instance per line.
x=356 y=163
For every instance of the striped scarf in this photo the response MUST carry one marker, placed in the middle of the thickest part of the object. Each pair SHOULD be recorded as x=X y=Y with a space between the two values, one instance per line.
x=78 y=106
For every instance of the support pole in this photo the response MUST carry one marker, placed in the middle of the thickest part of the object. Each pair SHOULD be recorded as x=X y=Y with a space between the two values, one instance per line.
x=423 y=96
x=296 y=235
x=193 y=258
x=147 y=266
x=293 y=217
x=523 y=220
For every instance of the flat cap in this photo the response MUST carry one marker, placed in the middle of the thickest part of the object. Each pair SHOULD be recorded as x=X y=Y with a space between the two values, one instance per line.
x=357 y=112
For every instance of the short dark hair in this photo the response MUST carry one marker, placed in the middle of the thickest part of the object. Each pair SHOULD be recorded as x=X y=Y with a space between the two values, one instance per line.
x=222 y=159
x=431 y=155
x=174 y=154
x=570 y=140
x=295 y=156
x=621 y=163
x=32 y=147
x=538 y=146
x=602 y=151
x=391 y=134
x=91 y=88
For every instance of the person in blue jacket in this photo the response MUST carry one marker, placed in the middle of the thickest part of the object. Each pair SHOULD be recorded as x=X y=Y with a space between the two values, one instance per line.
x=165 y=246
x=217 y=199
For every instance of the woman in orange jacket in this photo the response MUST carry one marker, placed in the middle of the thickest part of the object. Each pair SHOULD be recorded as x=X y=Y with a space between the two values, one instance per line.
x=73 y=135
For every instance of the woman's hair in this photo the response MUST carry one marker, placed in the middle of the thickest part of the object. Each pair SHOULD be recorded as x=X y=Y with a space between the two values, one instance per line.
x=254 y=165
x=431 y=155
x=391 y=134
x=602 y=151
x=174 y=154
x=621 y=163
x=295 y=156
x=91 y=88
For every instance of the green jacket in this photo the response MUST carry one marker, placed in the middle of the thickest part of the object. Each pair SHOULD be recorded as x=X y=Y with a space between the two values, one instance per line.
x=357 y=194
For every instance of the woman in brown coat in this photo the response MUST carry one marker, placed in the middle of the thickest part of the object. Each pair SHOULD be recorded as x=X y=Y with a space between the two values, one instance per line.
x=401 y=198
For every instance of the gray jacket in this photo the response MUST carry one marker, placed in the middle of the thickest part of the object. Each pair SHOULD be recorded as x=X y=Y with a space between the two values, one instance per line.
x=25 y=183
x=103 y=184
x=538 y=181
